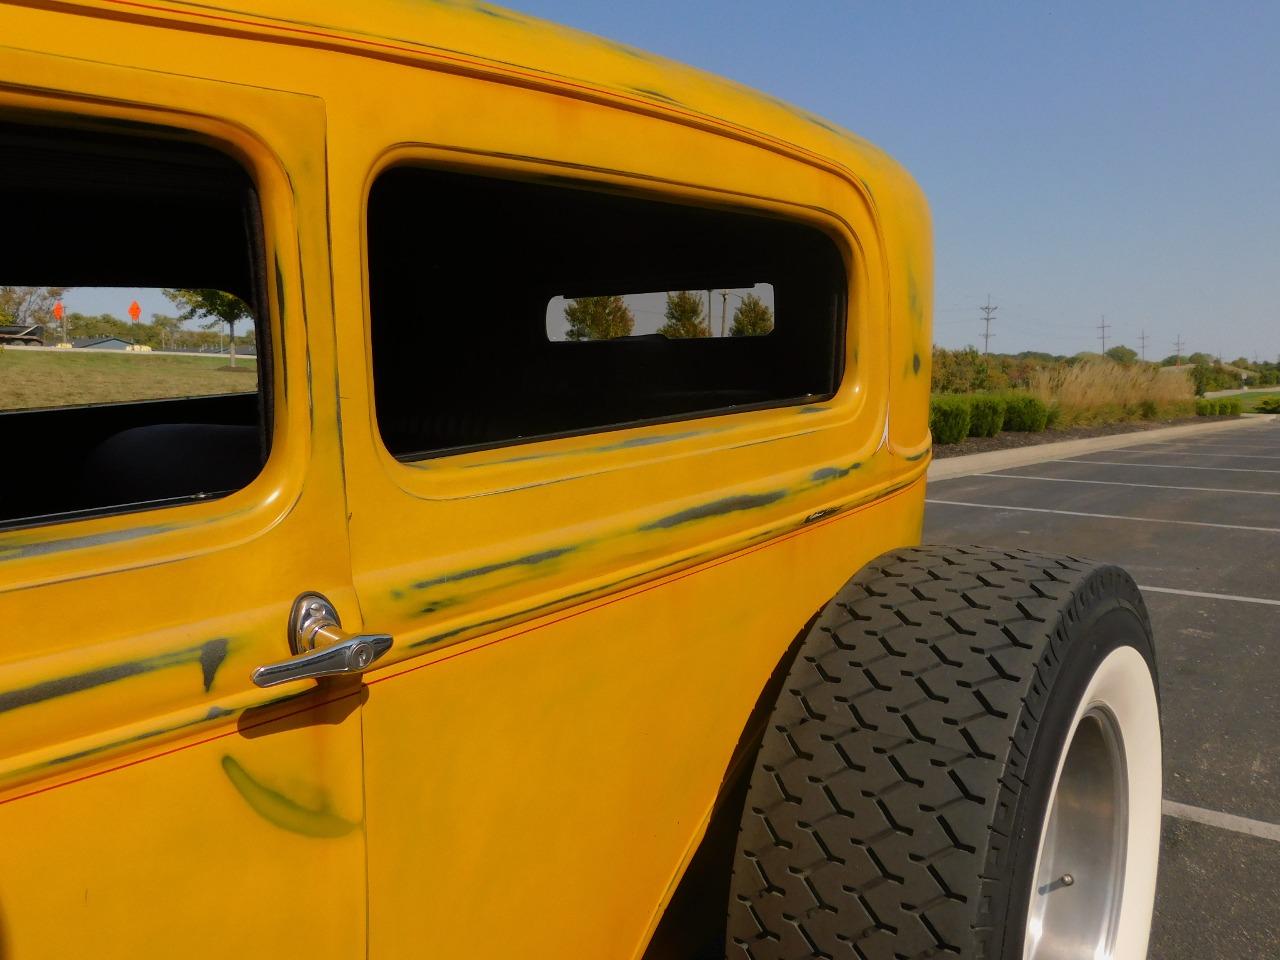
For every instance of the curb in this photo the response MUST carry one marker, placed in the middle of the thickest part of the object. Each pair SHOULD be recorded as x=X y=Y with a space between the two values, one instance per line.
x=974 y=463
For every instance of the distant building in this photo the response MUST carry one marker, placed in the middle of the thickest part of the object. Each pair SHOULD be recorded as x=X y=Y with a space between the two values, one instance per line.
x=31 y=334
x=102 y=343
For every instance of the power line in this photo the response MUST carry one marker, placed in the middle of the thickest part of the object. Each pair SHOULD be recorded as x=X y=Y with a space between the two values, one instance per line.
x=987 y=313
x=1103 y=327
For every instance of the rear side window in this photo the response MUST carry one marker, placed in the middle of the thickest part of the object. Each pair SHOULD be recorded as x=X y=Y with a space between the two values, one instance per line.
x=507 y=310
x=132 y=368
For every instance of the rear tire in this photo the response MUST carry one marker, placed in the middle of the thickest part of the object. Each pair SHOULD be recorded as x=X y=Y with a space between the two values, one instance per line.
x=959 y=724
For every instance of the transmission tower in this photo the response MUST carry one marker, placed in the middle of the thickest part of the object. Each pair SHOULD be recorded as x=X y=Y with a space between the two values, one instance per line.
x=1177 y=346
x=1142 y=343
x=1103 y=327
x=987 y=313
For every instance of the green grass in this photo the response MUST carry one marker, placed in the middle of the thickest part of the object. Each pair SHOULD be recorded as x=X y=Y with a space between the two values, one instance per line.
x=53 y=378
x=1249 y=401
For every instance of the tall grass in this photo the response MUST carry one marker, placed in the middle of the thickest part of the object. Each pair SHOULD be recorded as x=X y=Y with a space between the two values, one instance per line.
x=1103 y=391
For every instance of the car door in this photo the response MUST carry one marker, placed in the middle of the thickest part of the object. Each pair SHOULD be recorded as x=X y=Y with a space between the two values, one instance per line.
x=590 y=561
x=154 y=800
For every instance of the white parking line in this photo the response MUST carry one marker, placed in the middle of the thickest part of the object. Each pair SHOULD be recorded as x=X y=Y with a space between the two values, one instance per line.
x=1103 y=516
x=1167 y=466
x=1201 y=595
x=1149 y=486
x=1223 y=821
x=1187 y=453
x=1192 y=445
x=1206 y=446
x=1238 y=440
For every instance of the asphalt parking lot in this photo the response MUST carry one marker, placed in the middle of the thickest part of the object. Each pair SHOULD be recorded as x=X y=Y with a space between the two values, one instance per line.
x=1196 y=520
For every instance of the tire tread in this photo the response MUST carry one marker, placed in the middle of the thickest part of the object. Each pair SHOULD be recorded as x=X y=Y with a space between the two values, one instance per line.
x=878 y=820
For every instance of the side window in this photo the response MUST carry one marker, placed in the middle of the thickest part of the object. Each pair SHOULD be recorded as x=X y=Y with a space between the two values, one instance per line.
x=132 y=369
x=507 y=310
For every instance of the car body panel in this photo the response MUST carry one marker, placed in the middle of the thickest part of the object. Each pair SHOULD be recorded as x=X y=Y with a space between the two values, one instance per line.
x=546 y=785
x=582 y=624
x=148 y=791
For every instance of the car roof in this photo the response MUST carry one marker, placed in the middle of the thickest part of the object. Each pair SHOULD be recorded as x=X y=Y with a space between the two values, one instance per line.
x=466 y=35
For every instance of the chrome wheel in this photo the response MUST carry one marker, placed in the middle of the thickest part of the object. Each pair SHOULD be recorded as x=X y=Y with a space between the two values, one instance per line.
x=1074 y=910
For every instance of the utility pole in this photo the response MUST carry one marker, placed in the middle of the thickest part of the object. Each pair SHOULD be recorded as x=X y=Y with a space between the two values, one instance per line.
x=987 y=313
x=724 y=309
x=1177 y=346
x=1103 y=327
x=1142 y=342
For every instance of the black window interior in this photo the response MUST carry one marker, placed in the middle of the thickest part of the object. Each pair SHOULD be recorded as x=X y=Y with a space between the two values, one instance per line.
x=101 y=208
x=462 y=269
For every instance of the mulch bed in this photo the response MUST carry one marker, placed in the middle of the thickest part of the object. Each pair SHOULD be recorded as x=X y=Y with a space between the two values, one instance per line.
x=1008 y=441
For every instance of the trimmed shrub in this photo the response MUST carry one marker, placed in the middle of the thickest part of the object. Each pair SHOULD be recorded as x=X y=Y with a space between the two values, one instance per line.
x=1269 y=405
x=1233 y=407
x=1206 y=408
x=986 y=415
x=949 y=418
x=1025 y=413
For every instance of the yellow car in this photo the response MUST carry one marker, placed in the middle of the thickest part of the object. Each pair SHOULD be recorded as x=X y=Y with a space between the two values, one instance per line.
x=532 y=572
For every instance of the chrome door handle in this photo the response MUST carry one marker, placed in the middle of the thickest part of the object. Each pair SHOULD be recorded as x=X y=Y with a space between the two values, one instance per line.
x=322 y=647
x=352 y=655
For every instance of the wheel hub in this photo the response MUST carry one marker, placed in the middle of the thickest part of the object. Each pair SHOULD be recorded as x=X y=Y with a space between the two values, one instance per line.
x=1079 y=881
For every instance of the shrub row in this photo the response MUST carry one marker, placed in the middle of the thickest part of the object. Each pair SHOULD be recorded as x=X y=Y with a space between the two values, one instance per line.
x=949 y=418
x=1221 y=407
x=952 y=417
x=986 y=415
x=1025 y=413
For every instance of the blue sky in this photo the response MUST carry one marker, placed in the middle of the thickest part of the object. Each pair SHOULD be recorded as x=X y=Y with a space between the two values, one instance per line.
x=1080 y=159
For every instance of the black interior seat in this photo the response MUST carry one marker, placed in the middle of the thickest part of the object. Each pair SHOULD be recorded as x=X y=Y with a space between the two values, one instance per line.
x=165 y=460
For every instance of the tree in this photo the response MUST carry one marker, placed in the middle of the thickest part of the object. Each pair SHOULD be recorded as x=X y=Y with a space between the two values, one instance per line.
x=215 y=305
x=1122 y=354
x=684 y=317
x=166 y=329
x=1212 y=377
x=86 y=327
x=27 y=305
x=598 y=318
x=752 y=318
